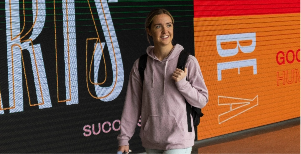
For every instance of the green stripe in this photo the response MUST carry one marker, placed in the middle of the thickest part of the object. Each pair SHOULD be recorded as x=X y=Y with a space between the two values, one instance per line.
x=150 y=6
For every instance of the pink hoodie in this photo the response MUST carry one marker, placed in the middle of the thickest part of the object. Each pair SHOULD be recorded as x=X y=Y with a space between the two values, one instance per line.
x=161 y=102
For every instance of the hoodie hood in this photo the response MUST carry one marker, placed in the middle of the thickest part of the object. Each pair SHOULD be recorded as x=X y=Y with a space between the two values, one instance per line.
x=173 y=54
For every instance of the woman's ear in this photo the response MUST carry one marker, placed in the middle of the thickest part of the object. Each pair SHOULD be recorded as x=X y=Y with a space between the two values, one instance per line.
x=148 y=32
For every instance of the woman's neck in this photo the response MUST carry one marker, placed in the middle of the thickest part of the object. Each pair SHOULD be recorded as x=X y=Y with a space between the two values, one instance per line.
x=162 y=51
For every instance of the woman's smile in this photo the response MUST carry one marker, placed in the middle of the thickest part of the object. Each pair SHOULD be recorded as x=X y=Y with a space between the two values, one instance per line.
x=164 y=36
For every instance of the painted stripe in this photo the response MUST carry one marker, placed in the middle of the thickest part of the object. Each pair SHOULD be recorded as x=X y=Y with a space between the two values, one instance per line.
x=216 y=8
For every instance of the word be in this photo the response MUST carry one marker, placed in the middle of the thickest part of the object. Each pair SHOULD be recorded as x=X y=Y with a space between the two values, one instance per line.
x=290 y=57
x=232 y=52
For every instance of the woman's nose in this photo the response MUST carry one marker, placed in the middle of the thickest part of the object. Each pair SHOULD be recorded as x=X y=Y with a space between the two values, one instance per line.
x=164 y=30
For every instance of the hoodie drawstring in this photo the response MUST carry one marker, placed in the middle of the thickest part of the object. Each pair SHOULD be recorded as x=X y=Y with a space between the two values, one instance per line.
x=164 y=77
x=153 y=74
x=174 y=53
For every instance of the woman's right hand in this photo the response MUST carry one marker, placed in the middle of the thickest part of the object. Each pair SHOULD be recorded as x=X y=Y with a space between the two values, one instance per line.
x=124 y=148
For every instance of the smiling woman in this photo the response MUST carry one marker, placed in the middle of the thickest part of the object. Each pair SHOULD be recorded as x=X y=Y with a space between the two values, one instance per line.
x=159 y=27
x=161 y=32
x=150 y=19
x=160 y=97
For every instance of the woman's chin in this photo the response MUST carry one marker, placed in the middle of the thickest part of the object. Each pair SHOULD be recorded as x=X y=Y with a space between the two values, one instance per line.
x=164 y=43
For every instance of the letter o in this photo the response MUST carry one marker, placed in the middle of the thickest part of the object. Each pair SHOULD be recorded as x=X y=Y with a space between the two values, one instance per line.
x=293 y=56
x=282 y=58
x=113 y=125
x=103 y=127
x=298 y=51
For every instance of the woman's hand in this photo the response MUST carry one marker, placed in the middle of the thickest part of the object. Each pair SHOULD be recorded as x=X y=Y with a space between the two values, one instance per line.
x=124 y=148
x=179 y=74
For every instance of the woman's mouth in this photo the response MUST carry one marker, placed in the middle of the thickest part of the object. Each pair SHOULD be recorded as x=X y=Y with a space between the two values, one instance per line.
x=165 y=37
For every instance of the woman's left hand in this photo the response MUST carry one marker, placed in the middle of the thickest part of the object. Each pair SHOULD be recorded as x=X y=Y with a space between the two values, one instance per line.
x=179 y=74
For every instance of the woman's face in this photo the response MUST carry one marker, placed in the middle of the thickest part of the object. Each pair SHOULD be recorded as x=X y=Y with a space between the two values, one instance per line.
x=161 y=30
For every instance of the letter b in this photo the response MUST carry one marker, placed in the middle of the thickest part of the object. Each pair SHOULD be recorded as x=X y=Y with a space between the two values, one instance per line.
x=237 y=38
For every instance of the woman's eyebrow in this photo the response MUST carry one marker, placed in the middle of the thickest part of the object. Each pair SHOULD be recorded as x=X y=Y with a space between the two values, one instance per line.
x=161 y=24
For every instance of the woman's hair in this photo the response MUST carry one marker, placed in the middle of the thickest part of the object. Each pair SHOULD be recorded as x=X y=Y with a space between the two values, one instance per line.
x=150 y=17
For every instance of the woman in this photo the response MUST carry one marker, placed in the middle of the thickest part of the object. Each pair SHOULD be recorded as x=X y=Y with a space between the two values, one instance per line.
x=160 y=99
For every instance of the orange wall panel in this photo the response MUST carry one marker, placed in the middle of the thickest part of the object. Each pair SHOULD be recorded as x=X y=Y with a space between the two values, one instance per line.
x=259 y=63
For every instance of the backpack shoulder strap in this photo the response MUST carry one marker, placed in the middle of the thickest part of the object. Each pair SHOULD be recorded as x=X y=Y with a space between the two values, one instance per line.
x=181 y=65
x=182 y=59
x=142 y=66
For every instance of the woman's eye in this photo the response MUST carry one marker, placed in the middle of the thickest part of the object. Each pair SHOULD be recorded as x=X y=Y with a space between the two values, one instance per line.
x=158 y=26
x=168 y=25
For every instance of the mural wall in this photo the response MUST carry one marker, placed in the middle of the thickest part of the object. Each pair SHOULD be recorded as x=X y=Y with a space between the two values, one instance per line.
x=249 y=52
x=65 y=66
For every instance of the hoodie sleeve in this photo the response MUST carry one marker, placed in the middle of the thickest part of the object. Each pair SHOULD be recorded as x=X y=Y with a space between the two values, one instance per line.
x=132 y=107
x=194 y=90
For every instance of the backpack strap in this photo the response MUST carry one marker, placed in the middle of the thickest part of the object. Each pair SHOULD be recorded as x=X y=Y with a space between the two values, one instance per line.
x=181 y=65
x=182 y=60
x=142 y=66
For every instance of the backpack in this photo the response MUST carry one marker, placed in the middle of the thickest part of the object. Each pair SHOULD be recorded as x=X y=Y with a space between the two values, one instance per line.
x=195 y=112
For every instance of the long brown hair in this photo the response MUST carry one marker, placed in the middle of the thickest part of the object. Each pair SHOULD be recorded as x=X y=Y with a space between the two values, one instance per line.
x=150 y=17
